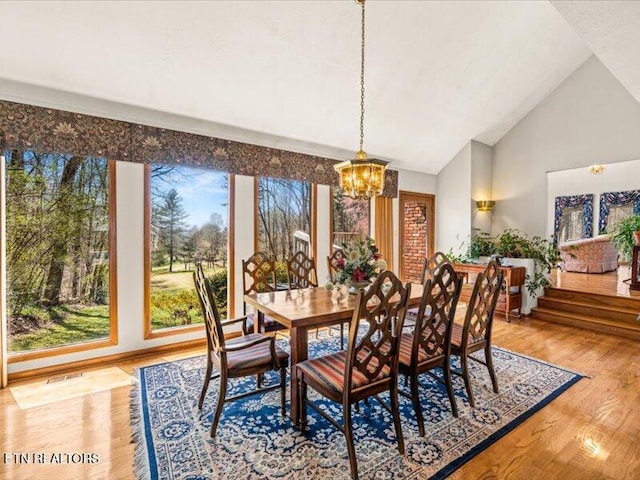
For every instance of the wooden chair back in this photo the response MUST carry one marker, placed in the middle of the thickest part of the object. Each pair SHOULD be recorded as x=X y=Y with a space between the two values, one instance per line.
x=478 y=320
x=432 y=265
x=213 y=325
x=301 y=271
x=259 y=273
x=437 y=312
x=333 y=261
x=382 y=307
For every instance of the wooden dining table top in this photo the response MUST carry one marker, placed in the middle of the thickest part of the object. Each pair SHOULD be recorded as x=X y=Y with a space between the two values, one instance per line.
x=309 y=307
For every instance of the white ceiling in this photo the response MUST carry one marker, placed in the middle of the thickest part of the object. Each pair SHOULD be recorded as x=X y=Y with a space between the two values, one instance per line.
x=612 y=31
x=438 y=73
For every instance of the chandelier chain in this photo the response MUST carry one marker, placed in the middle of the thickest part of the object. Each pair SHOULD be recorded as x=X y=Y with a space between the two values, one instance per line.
x=362 y=83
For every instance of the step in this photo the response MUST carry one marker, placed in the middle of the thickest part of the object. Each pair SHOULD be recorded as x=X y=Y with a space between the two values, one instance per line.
x=625 y=315
x=596 y=299
x=585 y=321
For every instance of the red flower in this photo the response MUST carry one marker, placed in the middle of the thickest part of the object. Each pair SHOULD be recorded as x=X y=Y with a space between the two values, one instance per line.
x=340 y=263
x=359 y=275
x=376 y=256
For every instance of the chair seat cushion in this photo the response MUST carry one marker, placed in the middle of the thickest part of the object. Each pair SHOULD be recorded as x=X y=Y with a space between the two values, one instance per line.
x=270 y=324
x=254 y=356
x=329 y=370
x=456 y=336
x=406 y=343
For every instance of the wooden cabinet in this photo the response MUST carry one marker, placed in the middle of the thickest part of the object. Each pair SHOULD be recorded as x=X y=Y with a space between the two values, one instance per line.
x=511 y=296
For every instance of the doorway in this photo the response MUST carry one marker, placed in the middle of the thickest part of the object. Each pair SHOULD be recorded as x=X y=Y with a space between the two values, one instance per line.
x=417 y=226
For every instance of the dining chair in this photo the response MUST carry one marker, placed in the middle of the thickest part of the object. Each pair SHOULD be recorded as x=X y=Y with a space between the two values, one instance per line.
x=253 y=354
x=368 y=367
x=428 y=346
x=259 y=276
x=301 y=271
x=431 y=267
x=333 y=262
x=475 y=334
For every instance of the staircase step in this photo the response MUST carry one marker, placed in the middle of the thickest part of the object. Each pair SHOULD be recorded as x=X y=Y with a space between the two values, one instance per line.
x=626 y=315
x=595 y=299
x=628 y=330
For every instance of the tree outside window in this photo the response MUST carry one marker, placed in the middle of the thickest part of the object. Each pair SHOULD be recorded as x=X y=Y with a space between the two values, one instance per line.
x=284 y=217
x=58 y=249
x=188 y=227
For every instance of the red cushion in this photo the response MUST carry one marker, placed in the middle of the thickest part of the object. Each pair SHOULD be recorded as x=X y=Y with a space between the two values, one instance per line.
x=329 y=370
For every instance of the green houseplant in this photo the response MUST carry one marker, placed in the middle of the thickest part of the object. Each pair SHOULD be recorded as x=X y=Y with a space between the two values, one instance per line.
x=513 y=243
x=622 y=235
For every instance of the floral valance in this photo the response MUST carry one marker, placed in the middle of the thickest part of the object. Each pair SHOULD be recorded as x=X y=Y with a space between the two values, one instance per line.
x=27 y=127
x=575 y=201
x=617 y=198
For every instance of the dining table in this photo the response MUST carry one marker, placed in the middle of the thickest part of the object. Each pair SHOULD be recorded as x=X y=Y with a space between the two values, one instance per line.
x=301 y=310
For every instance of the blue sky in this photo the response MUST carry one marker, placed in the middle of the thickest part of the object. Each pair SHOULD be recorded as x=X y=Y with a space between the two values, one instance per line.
x=202 y=192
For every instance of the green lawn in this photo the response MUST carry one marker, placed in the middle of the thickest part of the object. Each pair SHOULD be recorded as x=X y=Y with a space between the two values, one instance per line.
x=74 y=324
x=173 y=303
x=173 y=297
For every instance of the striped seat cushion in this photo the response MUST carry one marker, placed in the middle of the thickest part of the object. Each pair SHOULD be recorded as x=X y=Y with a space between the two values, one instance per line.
x=254 y=356
x=456 y=335
x=329 y=371
x=406 y=342
x=270 y=324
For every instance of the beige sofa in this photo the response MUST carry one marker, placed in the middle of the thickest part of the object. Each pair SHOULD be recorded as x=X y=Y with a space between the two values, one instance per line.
x=589 y=255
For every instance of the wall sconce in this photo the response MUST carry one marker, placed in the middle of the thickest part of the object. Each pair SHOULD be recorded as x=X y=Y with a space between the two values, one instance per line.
x=485 y=205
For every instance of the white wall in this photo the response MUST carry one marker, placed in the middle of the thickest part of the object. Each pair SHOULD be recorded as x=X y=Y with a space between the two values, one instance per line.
x=453 y=202
x=481 y=183
x=617 y=177
x=589 y=119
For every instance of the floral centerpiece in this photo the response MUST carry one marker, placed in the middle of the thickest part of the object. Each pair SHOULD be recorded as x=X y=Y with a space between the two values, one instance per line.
x=360 y=264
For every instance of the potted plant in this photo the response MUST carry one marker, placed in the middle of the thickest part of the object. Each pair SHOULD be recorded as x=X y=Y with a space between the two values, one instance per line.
x=625 y=234
x=538 y=255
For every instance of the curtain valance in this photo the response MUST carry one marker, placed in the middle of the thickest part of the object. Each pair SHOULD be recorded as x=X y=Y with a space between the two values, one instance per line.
x=27 y=127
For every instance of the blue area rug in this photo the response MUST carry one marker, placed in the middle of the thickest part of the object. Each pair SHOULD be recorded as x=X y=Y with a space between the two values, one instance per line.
x=255 y=442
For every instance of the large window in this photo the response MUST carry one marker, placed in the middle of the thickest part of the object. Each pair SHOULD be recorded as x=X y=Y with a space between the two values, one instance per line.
x=350 y=218
x=60 y=253
x=284 y=210
x=187 y=225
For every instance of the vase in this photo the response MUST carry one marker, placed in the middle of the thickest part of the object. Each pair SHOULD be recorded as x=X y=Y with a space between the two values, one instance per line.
x=355 y=286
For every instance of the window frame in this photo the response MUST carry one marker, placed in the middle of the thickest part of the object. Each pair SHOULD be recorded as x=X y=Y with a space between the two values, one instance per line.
x=112 y=339
x=148 y=332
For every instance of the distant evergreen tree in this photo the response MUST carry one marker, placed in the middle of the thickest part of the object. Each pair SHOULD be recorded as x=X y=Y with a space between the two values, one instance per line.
x=170 y=220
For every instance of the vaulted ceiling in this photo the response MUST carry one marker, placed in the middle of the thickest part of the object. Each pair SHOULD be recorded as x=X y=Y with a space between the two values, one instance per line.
x=438 y=73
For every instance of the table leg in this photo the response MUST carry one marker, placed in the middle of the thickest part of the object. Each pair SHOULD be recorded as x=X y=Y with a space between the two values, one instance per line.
x=258 y=325
x=299 y=353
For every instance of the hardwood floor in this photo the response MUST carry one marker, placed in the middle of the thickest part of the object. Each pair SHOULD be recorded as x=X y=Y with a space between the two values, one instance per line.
x=610 y=283
x=589 y=432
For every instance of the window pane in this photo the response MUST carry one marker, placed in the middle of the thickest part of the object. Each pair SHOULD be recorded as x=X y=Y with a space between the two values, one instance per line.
x=188 y=226
x=284 y=217
x=618 y=213
x=57 y=249
x=350 y=218
x=571 y=224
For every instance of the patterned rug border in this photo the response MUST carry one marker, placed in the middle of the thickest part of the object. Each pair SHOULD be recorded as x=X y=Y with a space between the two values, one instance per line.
x=145 y=467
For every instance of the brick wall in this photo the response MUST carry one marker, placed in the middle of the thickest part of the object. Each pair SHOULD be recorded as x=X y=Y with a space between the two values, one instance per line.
x=414 y=240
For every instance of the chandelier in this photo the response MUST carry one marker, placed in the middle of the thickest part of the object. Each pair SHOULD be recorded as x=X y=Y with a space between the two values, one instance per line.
x=597 y=169
x=361 y=177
